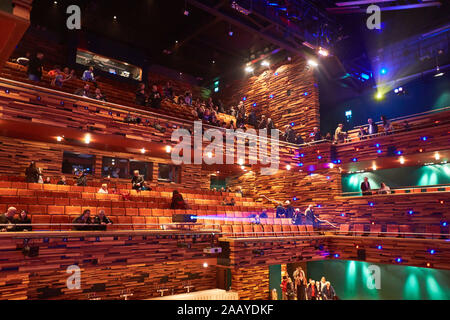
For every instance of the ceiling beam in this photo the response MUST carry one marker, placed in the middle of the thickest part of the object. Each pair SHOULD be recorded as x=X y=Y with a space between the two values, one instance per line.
x=246 y=27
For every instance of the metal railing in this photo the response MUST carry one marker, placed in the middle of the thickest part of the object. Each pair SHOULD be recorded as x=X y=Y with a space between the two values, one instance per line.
x=405 y=190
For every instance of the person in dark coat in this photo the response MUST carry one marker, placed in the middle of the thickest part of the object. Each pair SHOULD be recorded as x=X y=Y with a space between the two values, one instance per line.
x=365 y=187
x=301 y=285
x=177 y=201
x=297 y=218
x=101 y=221
x=84 y=221
x=138 y=181
x=310 y=218
x=328 y=292
x=32 y=173
x=23 y=219
x=280 y=212
x=154 y=99
x=35 y=68
x=317 y=136
x=289 y=211
x=311 y=291
x=81 y=179
x=290 y=290
x=141 y=95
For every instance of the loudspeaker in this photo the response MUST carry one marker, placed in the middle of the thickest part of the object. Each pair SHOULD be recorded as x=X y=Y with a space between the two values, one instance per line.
x=362 y=254
x=184 y=218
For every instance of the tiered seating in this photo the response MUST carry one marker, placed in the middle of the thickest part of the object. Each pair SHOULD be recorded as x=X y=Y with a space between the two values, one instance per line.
x=392 y=230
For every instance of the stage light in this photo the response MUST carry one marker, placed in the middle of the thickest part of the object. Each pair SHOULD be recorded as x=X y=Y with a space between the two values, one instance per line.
x=230 y=33
x=444 y=224
x=288 y=167
x=242 y=167
x=205 y=265
x=265 y=63
x=399 y=152
x=323 y=52
x=331 y=165
x=410 y=212
x=371 y=204
x=59 y=138
x=300 y=164
x=383 y=70
x=312 y=63
x=168 y=149
x=336 y=255
x=402 y=160
x=342 y=214
x=437 y=156
x=87 y=138
x=115 y=17
x=328 y=177
x=319 y=157
x=440 y=74
x=398 y=260
x=424 y=138
x=379 y=247
x=302 y=155
x=292 y=124
x=249 y=69
x=209 y=154
x=241 y=162
x=354 y=159
x=374 y=167
x=428 y=264
x=143 y=150
x=377 y=145
x=294 y=199
x=271 y=96
x=379 y=95
x=379 y=151
x=244 y=98
x=432 y=251
x=186 y=13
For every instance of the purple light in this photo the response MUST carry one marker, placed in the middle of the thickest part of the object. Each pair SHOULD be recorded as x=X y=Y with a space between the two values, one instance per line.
x=294 y=199
x=379 y=151
x=271 y=96
x=432 y=251
x=379 y=247
x=302 y=155
x=319 y=157
x=398 y=260
x=424 y=138
x=336 y=255
x=371 y=204
x=377 y=145
x=354 y=159
x=276 y=73
x=254 y=104
x=410 y=212
x=328 y=177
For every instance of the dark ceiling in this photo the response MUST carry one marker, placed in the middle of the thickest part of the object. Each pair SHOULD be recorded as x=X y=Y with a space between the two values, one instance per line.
x=199 y=43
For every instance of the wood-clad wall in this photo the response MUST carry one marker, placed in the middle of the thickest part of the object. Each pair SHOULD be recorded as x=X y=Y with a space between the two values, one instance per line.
x=287 y=93
x=16 y=155
x=109 y=264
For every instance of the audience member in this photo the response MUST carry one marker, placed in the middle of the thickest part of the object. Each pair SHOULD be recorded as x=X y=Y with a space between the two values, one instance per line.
x=384 y=189
x=83 y=222
x=365 y=187
x=32 y=173
x=270 y=125
x=168 y=91
x=88 y=75
x=177 y=201
x=310 y=218
x=24 y=221
x=340 y=134
x=316 y=135
x=84 y=92
x=280 y=212
x=138 y=181
x=289 y=210
x=141 y=95
x=372 y=128
x=35 y=68
x=262 y=123
x=362 y=133
x=154 y=100
x=98 y=95
x=386 y=125
x=103 y=189
x=57 y=76
x=80 y=178
x=102 y=221
x=47 y=180
x=7 y=220
x=297 y=219
x=311 y=290
x=62 y=181
x=289 y=134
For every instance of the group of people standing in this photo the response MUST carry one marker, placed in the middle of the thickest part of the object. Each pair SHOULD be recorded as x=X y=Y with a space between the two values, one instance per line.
x=302 y=289
x=288 y=211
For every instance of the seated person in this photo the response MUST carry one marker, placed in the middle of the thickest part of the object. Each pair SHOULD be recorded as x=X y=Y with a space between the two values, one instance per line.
x=141 y=95
x=289 y=210
x=280 y=212
x=138 y=182
x=47 y=180
x=88 y=75
x=98 y=95
x=316 y=135
x=83 y=222
x=80 y=178
x=25 y=220
x=362 y=133
x=289 y=134
x=84 y=92
x=365 y=187
x=168 y=91
x=102 y=221
x=32 y=173
x=103 y=189
x=263 y=214
x=384 y=189
x=231 y=203
x=177 y=201
x=62 y=181
x=7 y=220
x=154 y=99
x=254 y=218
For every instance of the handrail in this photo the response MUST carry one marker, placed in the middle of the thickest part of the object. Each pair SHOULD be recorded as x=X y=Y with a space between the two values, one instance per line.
x=349 y=193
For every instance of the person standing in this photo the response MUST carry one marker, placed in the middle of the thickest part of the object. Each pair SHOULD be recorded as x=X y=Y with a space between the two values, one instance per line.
x=283 y=286
x=35 y=68
x=32 y=173
x=290 y=291
x=365 y=187
x=372 y=128
x=301 y=286
x=328 y=292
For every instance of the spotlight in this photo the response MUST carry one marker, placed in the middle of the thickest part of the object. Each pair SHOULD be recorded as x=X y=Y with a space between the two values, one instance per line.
x=186 y=13
x=209 y=154
x=379 y=247
x=265 y=63
x=323 y=52
x=379 y=95
x=249 y=69
x=331 y=165
x=440 y=74
x=437 y=156
x=432 y=251
x=115 y=17
x=205 y=265
x=402 y=160
x=143 y=150
x=398 y=260
x=312 y=63
x=424 y=138
x=168 y=149
x=241 y=162
x=288 y=167
x=374 y=167
x=59 y=138
x=230 y=33
x=87 y=138
x=383 y=70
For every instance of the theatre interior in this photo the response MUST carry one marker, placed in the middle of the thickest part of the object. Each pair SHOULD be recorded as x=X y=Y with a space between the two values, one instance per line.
x=121 y=130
